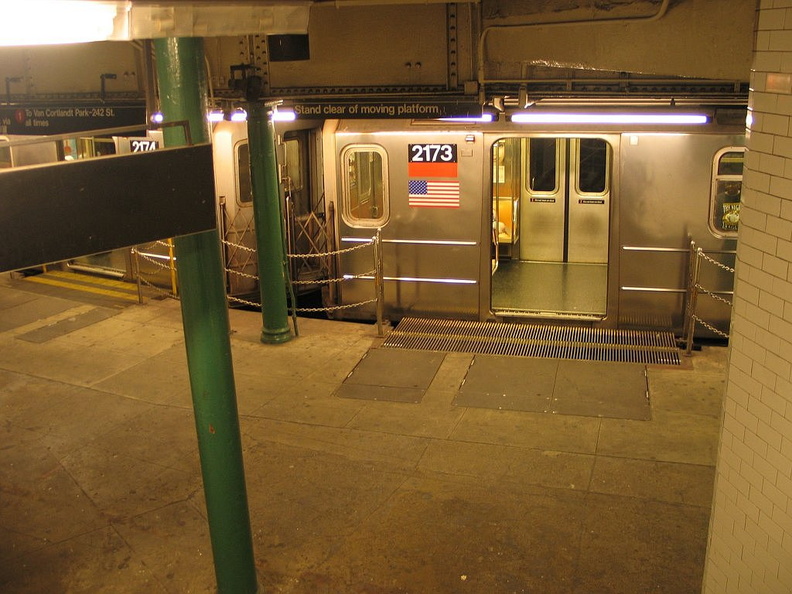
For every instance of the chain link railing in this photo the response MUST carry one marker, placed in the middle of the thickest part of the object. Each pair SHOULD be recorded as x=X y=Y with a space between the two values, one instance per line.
x=694 y=289
x=157 y=265
x=375 y=244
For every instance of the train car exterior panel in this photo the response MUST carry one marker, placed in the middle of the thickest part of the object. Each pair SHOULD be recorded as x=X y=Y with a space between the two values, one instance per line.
x=419 y=280
x=587 y=224
x=665 y=193
x=432 y=193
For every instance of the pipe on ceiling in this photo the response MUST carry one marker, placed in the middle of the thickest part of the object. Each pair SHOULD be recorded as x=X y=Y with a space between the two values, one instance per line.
x=661 y=12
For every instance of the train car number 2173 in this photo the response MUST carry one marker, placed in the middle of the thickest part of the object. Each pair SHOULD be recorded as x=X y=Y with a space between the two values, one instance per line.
x=433 y=153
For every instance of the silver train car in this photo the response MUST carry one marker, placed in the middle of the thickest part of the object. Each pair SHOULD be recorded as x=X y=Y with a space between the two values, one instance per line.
x=582 y=222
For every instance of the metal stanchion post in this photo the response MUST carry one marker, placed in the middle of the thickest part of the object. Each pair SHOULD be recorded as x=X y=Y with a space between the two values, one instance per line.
x=379 y=280
x=694 y=281
x=137 y=274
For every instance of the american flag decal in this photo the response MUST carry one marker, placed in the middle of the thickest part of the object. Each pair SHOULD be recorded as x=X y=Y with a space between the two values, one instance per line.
x=439 y=194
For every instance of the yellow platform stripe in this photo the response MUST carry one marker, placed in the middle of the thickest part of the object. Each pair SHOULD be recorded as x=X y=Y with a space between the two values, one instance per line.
x=91 y=280
x=85 y=288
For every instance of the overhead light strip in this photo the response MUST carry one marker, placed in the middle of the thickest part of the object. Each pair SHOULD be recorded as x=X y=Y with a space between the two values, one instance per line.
x=667 y=119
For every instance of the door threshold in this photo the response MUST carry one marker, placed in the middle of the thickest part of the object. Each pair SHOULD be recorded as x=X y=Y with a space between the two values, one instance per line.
x=548 y=315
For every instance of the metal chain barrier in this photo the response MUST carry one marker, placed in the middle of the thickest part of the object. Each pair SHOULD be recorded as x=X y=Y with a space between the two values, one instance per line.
x=327 y=281
x=243 y=301
x=161 y=263
x=336 y=252
x=159 y=290
x=710 y=327
x=696 y=257
x=713 y=295
x=242 y=274
x=335 y=307
x=375 y=273
x=701 y=253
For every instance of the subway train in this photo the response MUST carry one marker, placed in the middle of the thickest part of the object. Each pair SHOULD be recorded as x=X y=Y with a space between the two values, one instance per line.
x=580 y=217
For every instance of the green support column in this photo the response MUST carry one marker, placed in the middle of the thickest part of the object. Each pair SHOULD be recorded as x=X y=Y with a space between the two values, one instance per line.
x=267 y=216
x=183 y=96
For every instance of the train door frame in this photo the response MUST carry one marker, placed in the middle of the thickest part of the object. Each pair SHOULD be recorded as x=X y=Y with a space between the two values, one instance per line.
x=307 y=226
x=608 y=317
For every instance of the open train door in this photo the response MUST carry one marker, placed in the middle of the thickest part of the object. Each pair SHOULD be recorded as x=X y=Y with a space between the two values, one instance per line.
x=557 y=264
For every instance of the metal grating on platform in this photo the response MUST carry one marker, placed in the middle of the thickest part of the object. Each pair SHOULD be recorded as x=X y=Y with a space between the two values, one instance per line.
x=530 y=340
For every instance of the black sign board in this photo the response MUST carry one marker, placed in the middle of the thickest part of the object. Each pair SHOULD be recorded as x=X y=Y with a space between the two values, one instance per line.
x=411 y=109
x=64 y=119
x=74 y=208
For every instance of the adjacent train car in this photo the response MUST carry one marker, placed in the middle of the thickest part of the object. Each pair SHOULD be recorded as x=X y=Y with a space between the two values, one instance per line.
x=583 y=222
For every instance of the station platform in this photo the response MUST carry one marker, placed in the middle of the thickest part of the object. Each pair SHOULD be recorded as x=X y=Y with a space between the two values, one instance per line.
x=370 y=469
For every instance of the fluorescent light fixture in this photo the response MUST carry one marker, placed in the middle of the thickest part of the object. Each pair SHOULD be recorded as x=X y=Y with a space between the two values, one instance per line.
x=239 y=115
x=215 y=116
x=485 y=118
x=608 y=118
x=286 y=115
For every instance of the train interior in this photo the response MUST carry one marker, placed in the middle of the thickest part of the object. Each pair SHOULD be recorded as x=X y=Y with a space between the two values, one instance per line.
x=551 y=211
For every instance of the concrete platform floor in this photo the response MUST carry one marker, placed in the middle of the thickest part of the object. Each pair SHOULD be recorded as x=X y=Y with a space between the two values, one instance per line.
x=100 y=486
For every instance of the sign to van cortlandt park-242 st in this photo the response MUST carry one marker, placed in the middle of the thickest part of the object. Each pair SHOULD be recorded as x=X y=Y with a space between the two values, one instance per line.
x=64 y=119
x=414 y=109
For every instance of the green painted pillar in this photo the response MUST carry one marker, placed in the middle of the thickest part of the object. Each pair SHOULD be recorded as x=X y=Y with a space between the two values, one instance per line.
x=183 y=96
x=269 y=231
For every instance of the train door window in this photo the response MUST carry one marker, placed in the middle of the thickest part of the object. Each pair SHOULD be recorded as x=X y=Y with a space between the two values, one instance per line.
x=543 y=165
x=365 y=185
x=727 y=174
x=244 y=183
x=593 y=166
x=292 y=166
x=295 y=163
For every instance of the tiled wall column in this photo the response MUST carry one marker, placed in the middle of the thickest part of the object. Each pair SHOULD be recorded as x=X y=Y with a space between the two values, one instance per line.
x=750 y=541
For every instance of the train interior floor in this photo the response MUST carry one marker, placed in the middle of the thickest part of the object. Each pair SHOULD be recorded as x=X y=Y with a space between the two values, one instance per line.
x=368 y=469
x=564 y=287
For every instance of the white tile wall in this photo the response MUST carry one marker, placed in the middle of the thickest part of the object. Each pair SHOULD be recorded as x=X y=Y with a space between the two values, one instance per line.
x=750 y=541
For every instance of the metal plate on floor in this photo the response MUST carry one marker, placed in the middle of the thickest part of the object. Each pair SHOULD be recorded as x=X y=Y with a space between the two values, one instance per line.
x=391 y=375
x=68 y=325
x=581 y=388
x=596 y=389
x=506 y=383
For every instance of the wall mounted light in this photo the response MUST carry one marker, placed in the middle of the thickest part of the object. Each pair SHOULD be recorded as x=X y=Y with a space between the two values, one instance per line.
x=283 y=115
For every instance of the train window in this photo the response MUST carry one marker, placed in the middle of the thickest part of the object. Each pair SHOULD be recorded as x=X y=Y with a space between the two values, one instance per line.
x=727 y=173
x=593 y=166
x=292 y=163
x=543 y=165
x=365 y=185
x=244 y=183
